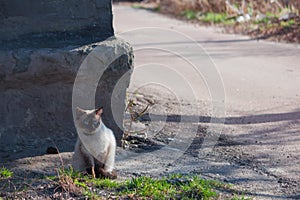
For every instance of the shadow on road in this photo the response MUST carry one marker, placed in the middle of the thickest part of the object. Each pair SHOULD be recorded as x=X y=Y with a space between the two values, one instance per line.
x=250 y=119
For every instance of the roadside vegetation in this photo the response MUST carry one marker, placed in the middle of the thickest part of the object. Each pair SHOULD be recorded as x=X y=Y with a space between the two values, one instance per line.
x=276 y=20
x=5 y=173
x=176 y=186
x=68 y=184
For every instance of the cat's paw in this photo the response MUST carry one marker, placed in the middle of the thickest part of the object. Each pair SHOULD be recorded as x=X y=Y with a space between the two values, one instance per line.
x=105 y=174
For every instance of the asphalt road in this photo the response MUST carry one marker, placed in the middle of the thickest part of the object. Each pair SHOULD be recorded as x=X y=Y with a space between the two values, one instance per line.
x=253 y=85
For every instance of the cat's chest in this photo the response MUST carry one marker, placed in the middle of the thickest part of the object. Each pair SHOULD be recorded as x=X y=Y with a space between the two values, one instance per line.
x=96 y=144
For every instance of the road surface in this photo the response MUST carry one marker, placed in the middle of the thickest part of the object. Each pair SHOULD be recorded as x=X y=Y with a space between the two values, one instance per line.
x=255 y=86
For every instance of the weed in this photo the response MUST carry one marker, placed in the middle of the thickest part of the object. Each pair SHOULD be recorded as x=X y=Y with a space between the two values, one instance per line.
x=264 y=20
x=288 y=23
x=137 y=6
x=154 y=8
x=105 y=183
x=5 y=173
x=173 y=187
x=134 y=115
x=217 y=18
x=214 y=18
x=189 y=14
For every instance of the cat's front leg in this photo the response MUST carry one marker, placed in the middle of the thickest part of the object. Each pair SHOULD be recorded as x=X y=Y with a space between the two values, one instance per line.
x=83 y=160
x=79 y=158
x=108 y=170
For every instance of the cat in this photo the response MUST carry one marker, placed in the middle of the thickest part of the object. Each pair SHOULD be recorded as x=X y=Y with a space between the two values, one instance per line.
x=96 y=145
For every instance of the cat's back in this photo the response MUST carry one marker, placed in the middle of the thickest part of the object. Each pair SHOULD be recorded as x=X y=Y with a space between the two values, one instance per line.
x=109 y=135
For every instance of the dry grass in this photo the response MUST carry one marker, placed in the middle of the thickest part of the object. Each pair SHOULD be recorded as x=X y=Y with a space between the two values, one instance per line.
x=275 y=20
x=230 y=7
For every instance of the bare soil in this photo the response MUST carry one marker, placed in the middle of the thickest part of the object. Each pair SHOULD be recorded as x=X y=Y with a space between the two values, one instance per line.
x=144 y=154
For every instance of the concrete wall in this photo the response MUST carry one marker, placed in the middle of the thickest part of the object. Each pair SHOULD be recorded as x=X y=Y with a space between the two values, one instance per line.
x=63 y=19
x=42 y=45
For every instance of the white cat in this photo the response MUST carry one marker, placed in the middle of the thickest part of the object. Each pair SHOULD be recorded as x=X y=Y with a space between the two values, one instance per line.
x=96 y=145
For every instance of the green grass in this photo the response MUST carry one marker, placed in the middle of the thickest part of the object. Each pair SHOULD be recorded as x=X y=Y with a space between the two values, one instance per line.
x=141 y=6
x=190 y=14
x=175 y=186
x=288 y=23
x=264 y=20
x=215 y=18
x=5 y=173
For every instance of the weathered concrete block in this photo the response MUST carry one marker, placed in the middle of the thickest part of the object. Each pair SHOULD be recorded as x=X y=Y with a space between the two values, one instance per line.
x=42 y=45
x=102 y=80
x=36 y=94
x=52 y=23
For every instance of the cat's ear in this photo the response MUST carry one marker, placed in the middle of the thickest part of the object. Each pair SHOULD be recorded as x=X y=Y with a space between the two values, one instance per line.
x=79 y=112
x=99 y=111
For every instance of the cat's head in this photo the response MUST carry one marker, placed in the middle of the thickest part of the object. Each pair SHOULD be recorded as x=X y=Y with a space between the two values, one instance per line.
x=88 y=120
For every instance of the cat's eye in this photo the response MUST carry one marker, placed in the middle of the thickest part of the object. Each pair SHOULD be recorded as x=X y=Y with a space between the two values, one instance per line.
x=86 y=122
x=95 y=123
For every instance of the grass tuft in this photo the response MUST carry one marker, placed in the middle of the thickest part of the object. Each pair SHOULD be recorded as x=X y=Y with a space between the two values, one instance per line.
x=173 y=187
x=5 y=173
x=176 y=186
x=217 y=18
x=209 y=17
x=190 y=14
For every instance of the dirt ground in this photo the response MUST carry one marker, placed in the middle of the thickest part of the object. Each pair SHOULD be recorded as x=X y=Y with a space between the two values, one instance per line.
x=161 y=142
